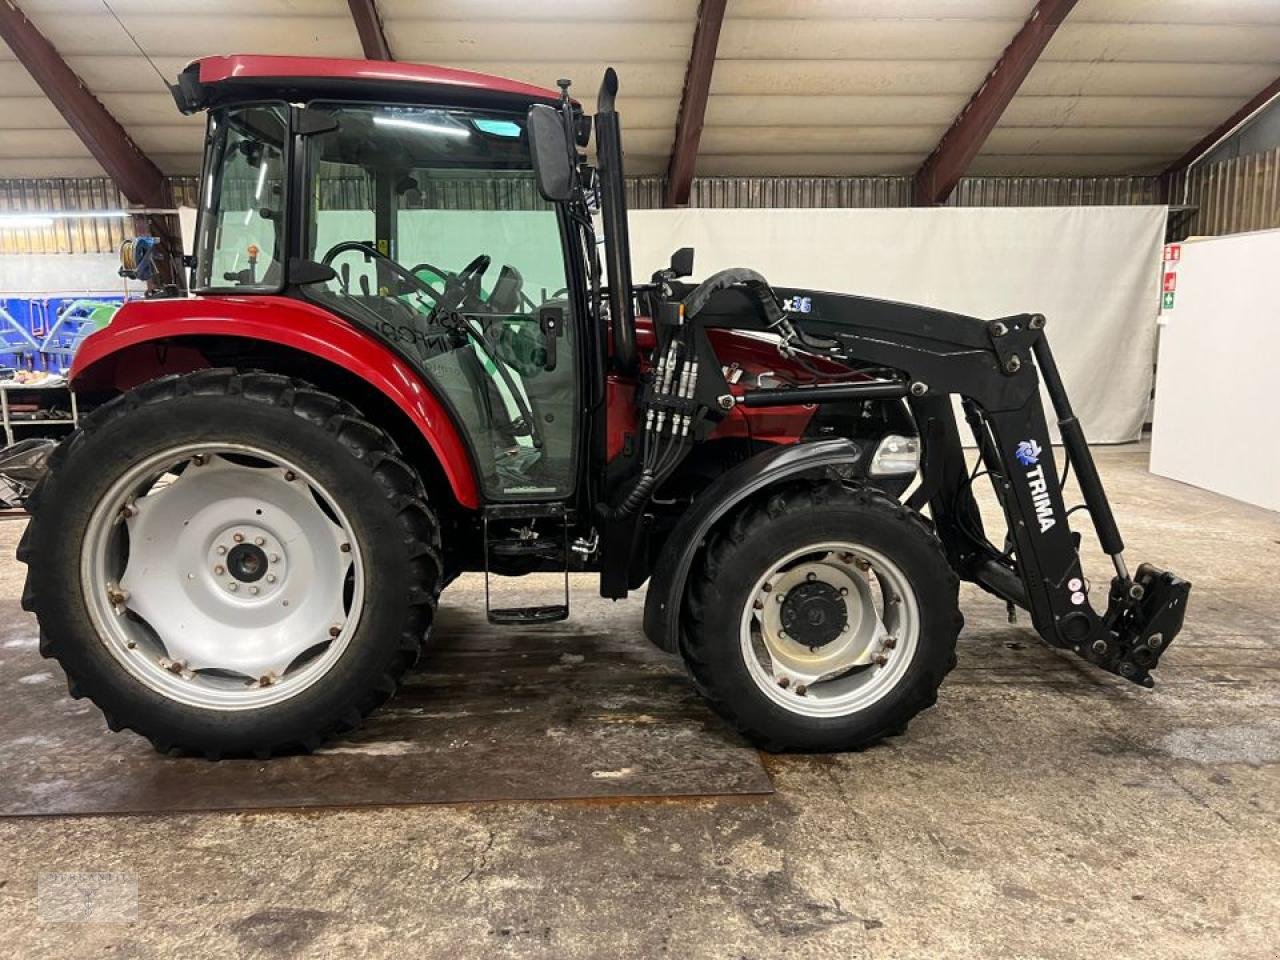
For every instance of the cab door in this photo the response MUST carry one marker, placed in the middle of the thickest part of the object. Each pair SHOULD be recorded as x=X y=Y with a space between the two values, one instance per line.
x=442 y=199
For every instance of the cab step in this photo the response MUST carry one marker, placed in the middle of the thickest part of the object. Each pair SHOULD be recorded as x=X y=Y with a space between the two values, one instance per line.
x=534 y=531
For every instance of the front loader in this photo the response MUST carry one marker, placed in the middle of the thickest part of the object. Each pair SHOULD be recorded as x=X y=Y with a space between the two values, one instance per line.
x=404 y=360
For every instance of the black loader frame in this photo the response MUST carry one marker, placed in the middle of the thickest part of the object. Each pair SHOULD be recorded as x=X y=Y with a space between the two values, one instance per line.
x=995 y=368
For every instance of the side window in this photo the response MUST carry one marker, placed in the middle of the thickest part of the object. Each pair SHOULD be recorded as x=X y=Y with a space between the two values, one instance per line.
x=241 y=241
x=432 y=223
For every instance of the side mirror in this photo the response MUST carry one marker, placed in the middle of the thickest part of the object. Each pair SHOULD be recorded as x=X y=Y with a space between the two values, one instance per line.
x=682 y=262
x=552 y=156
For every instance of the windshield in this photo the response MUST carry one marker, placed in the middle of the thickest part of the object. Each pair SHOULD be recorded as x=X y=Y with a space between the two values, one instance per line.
x=439 y=241
x=240 y=243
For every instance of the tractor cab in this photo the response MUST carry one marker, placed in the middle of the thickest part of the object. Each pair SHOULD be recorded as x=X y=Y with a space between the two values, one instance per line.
x=419 y=224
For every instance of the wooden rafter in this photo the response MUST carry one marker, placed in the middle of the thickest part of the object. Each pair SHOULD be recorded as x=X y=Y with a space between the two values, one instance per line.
x=693 y=102
x=138 y=178
x=951 y=158
x=373 y=40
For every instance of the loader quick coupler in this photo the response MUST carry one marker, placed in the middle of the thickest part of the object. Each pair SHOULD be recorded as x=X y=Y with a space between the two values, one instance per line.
x=1148 y=614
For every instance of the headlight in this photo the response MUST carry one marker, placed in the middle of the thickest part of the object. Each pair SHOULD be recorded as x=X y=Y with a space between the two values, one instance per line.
x=896 y=455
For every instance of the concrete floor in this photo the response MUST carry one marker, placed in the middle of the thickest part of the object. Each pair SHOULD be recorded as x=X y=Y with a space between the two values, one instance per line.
x=1040 y=810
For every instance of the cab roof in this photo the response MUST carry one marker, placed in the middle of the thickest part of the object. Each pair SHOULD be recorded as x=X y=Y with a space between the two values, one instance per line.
x=211 y=81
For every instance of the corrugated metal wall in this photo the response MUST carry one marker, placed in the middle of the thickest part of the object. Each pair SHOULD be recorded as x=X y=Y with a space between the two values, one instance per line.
x=1231 y=196
x=96 y=235
x=1234 y=195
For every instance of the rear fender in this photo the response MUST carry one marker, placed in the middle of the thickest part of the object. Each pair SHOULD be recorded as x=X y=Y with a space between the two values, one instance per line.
x=749 y=478
x=109 y=360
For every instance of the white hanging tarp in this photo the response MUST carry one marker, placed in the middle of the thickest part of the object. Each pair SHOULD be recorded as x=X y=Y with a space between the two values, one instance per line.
x=1094 y=272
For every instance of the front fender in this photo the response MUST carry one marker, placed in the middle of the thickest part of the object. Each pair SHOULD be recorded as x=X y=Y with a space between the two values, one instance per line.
x=671 y=571
x=290 y=323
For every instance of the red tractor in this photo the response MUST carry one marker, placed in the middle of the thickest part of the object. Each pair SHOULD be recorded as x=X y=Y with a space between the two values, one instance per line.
x=403 y=361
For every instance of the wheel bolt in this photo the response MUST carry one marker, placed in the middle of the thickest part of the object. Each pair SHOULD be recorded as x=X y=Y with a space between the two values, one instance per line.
x=767 y=588
x=238 y=538
x=221 y=549
x=784 y=682
x=254 y=591
x=275 y=558
x=811 y=577
x=259 y=541
x=219 y=570
x=757 y=605
x=233 y=586
x=334 y=631
x=290 y=475
x=801 y=690
x=844 y=591
x=271 y=578
x=890 y=642
x=881 y=660
x=345 y=548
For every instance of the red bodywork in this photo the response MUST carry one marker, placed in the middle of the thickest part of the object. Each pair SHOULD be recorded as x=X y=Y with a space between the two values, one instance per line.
x=106 y=361
x=754 y=356
x=139 y=346
x=214 y=70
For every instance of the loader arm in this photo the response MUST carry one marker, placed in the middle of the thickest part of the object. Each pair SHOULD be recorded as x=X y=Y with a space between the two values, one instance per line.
x=996 y=368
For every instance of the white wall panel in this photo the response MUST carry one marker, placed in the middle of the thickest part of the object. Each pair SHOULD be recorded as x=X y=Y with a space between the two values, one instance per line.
x=1216 y=419
x=1094 y=272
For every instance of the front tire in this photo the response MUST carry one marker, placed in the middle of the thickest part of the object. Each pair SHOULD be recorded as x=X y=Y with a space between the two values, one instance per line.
x=821 y=617
x=231 y=564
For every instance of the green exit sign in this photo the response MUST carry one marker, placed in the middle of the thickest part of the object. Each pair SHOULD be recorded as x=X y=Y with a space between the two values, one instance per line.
x=1167 y=302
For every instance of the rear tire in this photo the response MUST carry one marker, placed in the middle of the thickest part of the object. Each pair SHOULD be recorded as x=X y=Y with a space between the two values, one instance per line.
x=814 y=542
x=338 y=473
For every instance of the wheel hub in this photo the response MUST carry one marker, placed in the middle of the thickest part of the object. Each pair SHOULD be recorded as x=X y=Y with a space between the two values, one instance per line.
x=814 y=614
x=247 y=563
x=246 y=558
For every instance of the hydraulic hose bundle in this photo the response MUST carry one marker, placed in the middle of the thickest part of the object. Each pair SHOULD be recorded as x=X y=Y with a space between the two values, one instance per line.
x=671 y=414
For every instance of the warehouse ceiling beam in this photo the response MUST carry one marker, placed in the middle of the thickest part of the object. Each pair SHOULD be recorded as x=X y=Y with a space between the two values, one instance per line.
x=693 y=102
x=133 y=172
x=1224 y=129
x=138 y=178
x=373 y=39
x=950 y=159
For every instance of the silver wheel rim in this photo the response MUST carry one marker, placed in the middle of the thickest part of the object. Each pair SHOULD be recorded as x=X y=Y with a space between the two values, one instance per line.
x=222 y=576
x=864 y=661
